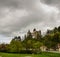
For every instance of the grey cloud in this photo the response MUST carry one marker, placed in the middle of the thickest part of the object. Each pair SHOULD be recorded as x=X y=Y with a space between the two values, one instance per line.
x=10 y=20
x=52 y=2
x=27 y=4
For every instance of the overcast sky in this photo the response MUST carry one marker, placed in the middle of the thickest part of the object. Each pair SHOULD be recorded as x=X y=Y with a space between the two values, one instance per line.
x=18 y=16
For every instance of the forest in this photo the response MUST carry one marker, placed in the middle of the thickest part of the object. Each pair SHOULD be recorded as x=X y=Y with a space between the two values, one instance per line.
x=33 y=41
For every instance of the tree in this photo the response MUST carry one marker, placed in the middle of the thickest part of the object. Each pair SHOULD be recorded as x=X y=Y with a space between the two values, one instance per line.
x=48 y=41
x=51 y=40
x=59 y=29
x=15 y=46
x=17 y=38
x=56 y=38
x=3 y=47
x=36 y=46
x=29 y=35
x=55 y=30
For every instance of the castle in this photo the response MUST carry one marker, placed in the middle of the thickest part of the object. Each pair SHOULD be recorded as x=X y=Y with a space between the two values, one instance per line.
x=35 y=34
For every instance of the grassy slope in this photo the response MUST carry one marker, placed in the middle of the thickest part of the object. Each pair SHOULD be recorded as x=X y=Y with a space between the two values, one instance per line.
x=30 y=55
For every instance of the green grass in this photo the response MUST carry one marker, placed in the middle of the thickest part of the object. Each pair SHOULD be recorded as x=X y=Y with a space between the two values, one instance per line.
x=44 y=54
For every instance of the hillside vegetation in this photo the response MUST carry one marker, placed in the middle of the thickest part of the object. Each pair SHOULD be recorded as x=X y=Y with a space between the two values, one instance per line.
x=33 y=41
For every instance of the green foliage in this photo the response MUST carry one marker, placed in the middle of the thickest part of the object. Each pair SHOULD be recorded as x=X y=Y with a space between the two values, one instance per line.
x=59 y=28
x=15 y=46
x=52 y=38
